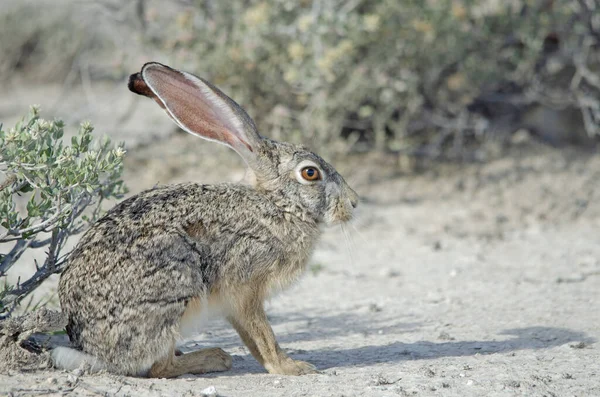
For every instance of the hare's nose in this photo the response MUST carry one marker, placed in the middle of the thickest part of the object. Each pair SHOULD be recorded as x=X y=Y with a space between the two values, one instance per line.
x=353 y=197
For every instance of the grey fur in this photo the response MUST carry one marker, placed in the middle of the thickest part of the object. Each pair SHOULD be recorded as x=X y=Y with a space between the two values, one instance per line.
x=128 y=281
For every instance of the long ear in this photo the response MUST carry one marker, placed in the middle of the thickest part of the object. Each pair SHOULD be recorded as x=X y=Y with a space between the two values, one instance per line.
x=197 y=106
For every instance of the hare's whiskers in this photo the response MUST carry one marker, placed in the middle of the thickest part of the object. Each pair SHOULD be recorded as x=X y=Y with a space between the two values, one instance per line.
x=349 y=245
x=358 y=232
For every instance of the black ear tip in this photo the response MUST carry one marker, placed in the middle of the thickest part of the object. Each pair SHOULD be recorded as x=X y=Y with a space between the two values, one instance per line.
x=137 y=85
x=132 y=82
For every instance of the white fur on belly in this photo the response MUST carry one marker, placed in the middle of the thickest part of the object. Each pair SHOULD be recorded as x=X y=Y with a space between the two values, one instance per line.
x=197 y=314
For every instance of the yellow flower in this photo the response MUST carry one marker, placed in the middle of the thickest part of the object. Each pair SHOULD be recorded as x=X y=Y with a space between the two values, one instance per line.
x=365 y=112
x=371 y=22
x=119 y=152
x=257 y=15
x=456 y=81
x=296 y=51
x=325 y=64
x=291 y=76
x=422 y=26
x=304 y=22
x=345 y=47
x=459 y=10
x=332 y=56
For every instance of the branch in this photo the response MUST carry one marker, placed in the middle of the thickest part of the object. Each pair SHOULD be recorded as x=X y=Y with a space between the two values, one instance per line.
x=15 y=296
x=9 y=181
x=588 y=16
x=14 y=255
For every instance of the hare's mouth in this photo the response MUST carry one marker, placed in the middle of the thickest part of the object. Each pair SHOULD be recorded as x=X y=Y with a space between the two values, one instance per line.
x=339 y=212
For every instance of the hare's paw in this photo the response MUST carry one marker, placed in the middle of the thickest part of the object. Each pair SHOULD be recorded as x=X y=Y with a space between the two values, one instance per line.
x=294 y=367
x=305 y=368
x=215 y=359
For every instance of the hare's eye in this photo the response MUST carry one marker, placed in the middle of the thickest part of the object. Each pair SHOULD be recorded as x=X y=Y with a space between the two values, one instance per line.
x=310 y=174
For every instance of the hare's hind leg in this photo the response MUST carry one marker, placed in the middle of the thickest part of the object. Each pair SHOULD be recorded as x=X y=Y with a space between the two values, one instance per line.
x=197 y=362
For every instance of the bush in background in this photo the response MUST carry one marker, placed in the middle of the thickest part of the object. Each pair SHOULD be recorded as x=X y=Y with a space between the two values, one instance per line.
x=434 y=78
x=422 y=77
x=45 y=189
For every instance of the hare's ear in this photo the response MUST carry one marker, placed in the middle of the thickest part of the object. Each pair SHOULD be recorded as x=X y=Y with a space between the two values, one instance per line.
x=197 y=106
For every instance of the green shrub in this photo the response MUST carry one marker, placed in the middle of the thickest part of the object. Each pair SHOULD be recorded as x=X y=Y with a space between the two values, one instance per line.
x=45 y=190
x=396 y=75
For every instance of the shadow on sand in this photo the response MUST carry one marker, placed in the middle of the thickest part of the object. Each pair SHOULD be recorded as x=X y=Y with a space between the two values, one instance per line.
x=528 y=338
x=524 y=339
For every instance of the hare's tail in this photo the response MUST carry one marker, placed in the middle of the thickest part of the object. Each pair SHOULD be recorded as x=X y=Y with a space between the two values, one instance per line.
x=70 y=359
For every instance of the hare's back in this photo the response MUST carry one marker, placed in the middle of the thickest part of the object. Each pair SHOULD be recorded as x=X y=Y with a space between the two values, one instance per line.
x=149 y=247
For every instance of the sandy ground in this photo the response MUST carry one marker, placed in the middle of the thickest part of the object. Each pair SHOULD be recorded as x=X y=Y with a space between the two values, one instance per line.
x=473 y=281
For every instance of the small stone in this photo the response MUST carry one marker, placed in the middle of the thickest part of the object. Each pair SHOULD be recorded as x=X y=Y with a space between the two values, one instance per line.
x=72 y=379
x=580 y=345
x=52 y=381
x=469 y=382
x=77 y=372
x=380 y=380
x=501 y=219
x=445 y=336
x=210 y=391
x=428 y=372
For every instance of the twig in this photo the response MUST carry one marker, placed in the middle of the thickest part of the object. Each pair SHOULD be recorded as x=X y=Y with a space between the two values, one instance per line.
x=15 y=296
x=14 y=255
x=588 y=16
x=9 y=181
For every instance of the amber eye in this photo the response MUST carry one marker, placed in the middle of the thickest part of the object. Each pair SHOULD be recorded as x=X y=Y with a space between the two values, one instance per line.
x=310 y=174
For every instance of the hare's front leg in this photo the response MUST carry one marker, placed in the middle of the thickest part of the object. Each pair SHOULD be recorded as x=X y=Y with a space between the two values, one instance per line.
x=251 y=323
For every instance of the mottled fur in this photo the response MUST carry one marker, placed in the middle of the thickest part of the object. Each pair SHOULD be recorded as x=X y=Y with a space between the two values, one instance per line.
x=159 y=258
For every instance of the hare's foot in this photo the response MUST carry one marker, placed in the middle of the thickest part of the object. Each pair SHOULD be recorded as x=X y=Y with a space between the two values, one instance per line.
x=206 y=360
x=197 y=362
x=292 y=367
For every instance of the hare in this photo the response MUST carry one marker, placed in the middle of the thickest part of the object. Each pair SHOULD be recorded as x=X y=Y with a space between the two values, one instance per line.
x=148 y=270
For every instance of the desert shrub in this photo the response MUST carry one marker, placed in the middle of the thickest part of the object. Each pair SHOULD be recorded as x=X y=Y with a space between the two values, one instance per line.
x=49 y=191
x=411 y=76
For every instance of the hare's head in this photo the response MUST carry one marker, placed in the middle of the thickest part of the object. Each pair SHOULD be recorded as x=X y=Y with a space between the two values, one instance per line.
x=284 y=169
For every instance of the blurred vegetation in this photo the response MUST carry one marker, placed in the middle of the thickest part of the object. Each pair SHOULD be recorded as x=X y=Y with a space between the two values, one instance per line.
x=433 y=78
x=422 y=77
x=45 y=189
